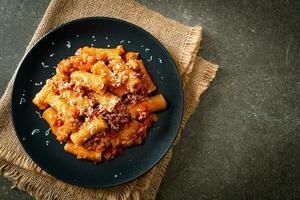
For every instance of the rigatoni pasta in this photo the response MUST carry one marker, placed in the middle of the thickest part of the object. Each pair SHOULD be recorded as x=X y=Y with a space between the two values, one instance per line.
x=99 y=102
x=149 y=105
x=82 y=153
x=39 y=99
x=61 y=132
x=87 y=130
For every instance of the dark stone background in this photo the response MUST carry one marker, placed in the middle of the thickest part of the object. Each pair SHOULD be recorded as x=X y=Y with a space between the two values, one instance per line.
x=243 y=142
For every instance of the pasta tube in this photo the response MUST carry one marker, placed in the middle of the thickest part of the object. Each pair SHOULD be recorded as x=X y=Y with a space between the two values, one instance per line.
x=61 y=132
x=87 y=130
x=82 y=153
x=94 y=82
x=150 y=105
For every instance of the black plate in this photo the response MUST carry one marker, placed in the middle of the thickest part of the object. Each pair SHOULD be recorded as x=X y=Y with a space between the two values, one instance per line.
x=38 y=65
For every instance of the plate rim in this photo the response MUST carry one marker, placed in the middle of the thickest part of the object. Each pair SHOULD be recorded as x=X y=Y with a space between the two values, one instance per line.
x=45 y=36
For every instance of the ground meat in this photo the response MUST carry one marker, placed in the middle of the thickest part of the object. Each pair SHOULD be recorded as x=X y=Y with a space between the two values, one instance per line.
x=116 y=119
x=58 y=123
x=94 y=142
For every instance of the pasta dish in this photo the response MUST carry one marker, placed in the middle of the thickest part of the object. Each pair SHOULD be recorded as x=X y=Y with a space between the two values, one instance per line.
x=99 y=102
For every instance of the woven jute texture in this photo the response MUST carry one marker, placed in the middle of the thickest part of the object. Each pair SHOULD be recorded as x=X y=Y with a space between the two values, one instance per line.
x=181 y=41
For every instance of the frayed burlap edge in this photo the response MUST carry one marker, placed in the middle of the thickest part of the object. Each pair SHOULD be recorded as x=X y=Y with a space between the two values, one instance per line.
x=188 y=56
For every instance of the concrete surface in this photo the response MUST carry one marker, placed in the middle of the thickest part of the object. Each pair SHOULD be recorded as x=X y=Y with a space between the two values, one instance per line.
x=243 y=142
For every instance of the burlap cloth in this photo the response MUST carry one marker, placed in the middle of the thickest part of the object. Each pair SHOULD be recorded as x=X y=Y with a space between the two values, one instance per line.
x=180 y=40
